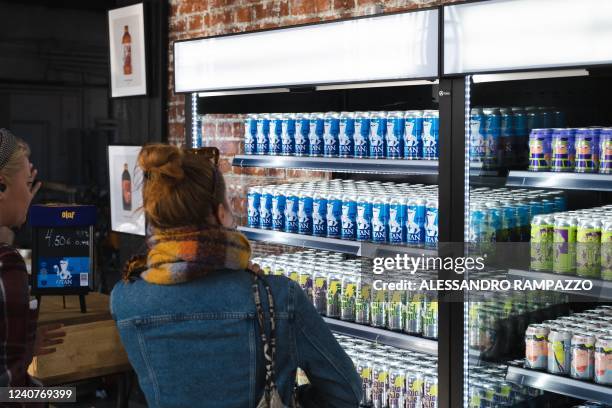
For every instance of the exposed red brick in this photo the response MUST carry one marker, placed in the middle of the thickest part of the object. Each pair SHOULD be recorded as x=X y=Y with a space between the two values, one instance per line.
x=209 y=129
x=192 y=6
x=322 y=5
x=178 y=25
x=242 y=15
x=299 y=7
x=225 y=165
x=216 y=4
x=195 y=22
x=222 y=17
x=284 y=8
x=344 y=4
x=228 y=148
x=276 y=173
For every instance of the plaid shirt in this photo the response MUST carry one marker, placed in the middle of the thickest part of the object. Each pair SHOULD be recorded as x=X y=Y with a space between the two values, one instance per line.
x=17 y=321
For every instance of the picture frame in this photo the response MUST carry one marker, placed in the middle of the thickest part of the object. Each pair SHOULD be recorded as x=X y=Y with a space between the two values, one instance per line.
x=125 y=187
x=127 y=51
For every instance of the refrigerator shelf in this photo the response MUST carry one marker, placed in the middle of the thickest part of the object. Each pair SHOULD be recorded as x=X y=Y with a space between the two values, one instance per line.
x=601 y=289
x=382 y=336
x=560 y=385
x=365 y=249
x=564 y=181
x=343 y=165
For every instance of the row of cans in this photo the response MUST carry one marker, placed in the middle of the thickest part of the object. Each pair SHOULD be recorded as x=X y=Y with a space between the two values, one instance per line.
x=573 y=242
x=499 y=135
x=488 y=388
x=581 y=150
x=579 y=346
x=345 y=209
x=343 y=289
x=392 y=377
x=376 y=135
x=505 y=214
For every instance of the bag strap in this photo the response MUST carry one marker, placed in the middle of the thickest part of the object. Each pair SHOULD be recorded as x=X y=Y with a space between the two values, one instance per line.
x=269 y=342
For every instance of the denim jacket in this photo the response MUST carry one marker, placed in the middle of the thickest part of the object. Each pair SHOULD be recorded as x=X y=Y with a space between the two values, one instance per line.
x=197 y=344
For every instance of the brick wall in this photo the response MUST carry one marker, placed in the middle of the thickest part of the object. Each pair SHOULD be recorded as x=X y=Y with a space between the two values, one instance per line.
x=199 y=18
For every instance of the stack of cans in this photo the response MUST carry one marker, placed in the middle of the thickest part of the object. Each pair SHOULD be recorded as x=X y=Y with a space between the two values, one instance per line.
x=346 y=209
x=375 y=135
x=578 y=346
x=500 y=135
x=392 y=377
x=488 y=388
x=504 y=214
x=343 y=289
x=573 y=242
x=580 y=150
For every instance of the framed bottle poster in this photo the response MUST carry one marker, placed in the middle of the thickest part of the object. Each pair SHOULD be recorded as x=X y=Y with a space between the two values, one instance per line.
x=126 y=33
x=125 y=183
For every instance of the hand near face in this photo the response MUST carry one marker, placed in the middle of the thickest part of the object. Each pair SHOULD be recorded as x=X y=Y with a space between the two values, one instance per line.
x=48 y=336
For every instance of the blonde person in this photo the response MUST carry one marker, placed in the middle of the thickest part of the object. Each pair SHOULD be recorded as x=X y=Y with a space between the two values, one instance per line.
x=190 y=314
x=19 y=338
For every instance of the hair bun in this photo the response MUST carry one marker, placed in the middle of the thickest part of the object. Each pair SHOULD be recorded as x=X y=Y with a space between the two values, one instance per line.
x=160 y=159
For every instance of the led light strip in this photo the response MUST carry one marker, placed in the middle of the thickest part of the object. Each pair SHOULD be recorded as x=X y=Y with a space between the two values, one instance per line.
x=194 y=120
x=466 y=234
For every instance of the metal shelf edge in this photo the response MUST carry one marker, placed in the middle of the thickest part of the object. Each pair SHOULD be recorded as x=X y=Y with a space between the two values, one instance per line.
x=560 y=385
x=601 y=289
x=569 y=181
x=399 y=340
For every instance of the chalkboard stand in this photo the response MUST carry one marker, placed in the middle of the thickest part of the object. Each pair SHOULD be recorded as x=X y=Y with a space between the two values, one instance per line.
x=82 y=302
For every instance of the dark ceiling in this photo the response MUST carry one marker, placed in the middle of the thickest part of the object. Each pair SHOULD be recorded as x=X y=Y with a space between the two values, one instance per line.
x=89 y=5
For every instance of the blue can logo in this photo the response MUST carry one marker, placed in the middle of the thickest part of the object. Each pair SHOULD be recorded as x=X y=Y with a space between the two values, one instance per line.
x=278 y=212
x=349 y=216
x=250 y=135
x=397 y=228
x=331 y=130
x=364 y=221
x=288 y=136
x=431 y=129
x=274 y=138
x=305 y=215
x=265 y=211
x=316 y=135
x=319 y=217
x=253 y=200
x=478 y=146
x=413 y=138
x=334 y=218
x=395 y=137
x=302 y=130
x=378 y=130
x=361 y=138
x=346 y=137
x=379 y=222
x=291 y=214
x=263 y=129
x=431 y=225
x=414 y=224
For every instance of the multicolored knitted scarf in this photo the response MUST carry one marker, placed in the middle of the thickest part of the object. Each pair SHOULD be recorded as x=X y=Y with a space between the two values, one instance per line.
x=180 y=255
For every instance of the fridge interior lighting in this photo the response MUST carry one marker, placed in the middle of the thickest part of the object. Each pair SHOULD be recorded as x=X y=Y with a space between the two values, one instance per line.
x=389 y=47
x=505 y=35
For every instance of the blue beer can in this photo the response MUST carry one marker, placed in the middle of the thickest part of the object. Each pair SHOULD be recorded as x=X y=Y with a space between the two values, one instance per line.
x=305 y=213
x=279 y=202
x=431 y=133
x=397 y=220
x=253 y=203
x=274 y=136
x=349 y=217
x=478 y=137
x=494 y=220
x=415 y=220
x=302 y=132
x=507 y=140
x=540 y=149
x=292 y=207
x=548 y=206
x=431 y=221
x=263 y=129
x=477 y=223
x=378 y=134
x=561 y=150
x=334 y=215
x=523 y=219
x=250 y=134
x=364 y=218
x=605 y=151
x=380 y=219
x=319 y=215
x=493 y=134
x=317 y=127
x=395 y=135
x=521 y=136
x=288 y=134
x=362 y=135
x=413 y=134
x=331 y=134
x=586 y=150
x=534 y=120
x=346 y=136
x=536 y=207
x=509 y=222
x=265 y=208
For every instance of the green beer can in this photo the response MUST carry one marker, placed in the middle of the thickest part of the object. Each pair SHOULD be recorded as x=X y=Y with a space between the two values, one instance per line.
x=606 y=250
x=564 y=245
x=541 y=243
x=588 y=246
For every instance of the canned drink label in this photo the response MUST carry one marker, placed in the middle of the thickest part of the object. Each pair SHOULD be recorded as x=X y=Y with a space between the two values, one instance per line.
x=275 y=142
x=292 y=205
x=586 y=154
x=362 y=304
x=253 y=203
x=319 y=217
x=301 y=139
x=250 y=135
x=397 y=388
x=334 y=287
x=431 y=225
x=334 y=218
x=395 y=137
x=478 y=146
x=415 y=222
x=431 y=129
x=361 y=137
x=278 y=212
x=349 y=220
x=380 y=219
x=564 y=249
x=347 y=303
x=346 y=137
x=397 y=223
x=330 y=136
x=413 y=138
x=605 y=152
x=263 y=129
x=316 y=137
x=265 y=211
x=536 y=353
x=320 y=294
x=603 y=361
x=430 y=319
x=561 y=150
x=378 y=130
x=305 y=215
x=588 y=251
x=364 y=221
x=430 y=393
x=559 y=357
x=414 y=388
x=539 y=150
x=288 y=136
x=583 y=363
x=606 y=252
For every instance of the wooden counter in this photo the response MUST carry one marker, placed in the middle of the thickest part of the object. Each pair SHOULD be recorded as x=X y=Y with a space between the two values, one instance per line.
x=91 y=348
